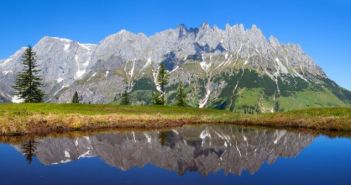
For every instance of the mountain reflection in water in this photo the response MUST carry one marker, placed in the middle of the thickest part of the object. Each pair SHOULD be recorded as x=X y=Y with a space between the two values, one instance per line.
x=204 y=149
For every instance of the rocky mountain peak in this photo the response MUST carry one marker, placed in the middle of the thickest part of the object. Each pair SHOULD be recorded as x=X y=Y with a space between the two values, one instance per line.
x=205 y=26
x=274 y=42
x=183 y=31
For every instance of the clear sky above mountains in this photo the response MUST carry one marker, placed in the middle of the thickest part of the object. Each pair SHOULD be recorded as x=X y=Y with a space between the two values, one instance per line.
x=322 y=28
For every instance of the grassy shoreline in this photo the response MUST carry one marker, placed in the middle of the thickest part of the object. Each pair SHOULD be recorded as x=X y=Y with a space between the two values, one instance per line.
x=27 y=119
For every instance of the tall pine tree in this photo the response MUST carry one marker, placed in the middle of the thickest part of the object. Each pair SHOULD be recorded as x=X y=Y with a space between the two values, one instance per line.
x=162 y=80
x=180 y=95
x=28 y=82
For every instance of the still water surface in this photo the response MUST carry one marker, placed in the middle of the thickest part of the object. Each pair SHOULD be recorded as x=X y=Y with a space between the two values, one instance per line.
x=204 y=154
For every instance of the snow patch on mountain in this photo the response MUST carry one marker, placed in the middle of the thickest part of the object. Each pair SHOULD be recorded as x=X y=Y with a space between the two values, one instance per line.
x=87 y=47
x=205 y=66
x=62 y=39
x=92 y=76
x=61 y=88
x=154 y=75
x=204 y=101
x=106 y=74
x=6 y=62
x=281 y=67
x=59 y=80
x=175 y=69
x=7 y=72
x=81 y=69
x=66 y=47
x=16 y=99
x=299 y=75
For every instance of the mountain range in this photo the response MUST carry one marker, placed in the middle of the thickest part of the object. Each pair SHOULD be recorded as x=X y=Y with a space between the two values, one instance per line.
x=233 y=68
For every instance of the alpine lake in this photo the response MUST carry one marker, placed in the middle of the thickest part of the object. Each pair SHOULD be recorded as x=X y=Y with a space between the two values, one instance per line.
x=199 y=154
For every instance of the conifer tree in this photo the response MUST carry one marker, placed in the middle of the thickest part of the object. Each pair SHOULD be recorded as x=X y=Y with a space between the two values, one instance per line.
x=158 y=98
x=28 y=82
x=276 y=107
x=125 y=98
x=180 y=95
x=75 y=98
x=162 y=80
x=28 y=148
x=162 y=77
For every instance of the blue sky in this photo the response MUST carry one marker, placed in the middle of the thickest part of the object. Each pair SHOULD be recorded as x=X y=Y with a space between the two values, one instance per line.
x=322 y=28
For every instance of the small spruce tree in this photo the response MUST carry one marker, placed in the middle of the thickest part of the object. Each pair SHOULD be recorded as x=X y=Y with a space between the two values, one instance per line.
x=125 y=98
x=276 y=106
x=28 y=82
x=75 y=98
x=158 y=98
x=180 y=95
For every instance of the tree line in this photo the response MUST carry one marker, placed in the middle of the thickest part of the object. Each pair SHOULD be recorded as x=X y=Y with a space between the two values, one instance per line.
x=28 y=84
